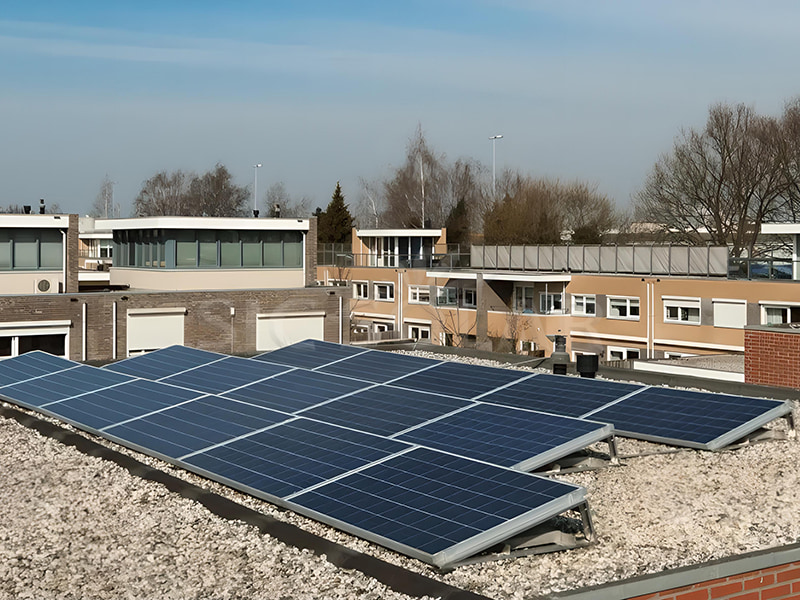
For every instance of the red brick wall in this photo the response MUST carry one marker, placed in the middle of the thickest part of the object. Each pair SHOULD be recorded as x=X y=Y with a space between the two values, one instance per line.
x=781 y=582
x=771 y=357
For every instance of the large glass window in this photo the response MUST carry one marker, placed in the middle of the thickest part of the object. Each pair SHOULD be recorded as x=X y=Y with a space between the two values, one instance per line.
x=292 y=249
x=50 y=252
x=207 y=244
x=273 y=249
x=230 y=253
x=5 y=250
x=251 y=248
x=185 y=250
x=26 y=246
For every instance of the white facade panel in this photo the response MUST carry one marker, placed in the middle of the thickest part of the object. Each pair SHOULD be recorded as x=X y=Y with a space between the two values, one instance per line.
x=277 y=331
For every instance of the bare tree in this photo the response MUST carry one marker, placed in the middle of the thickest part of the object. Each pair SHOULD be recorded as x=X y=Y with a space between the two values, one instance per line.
x=718 y=184
x=277 y=195
x=370 y=206
x=164 y=194
x=103 y=204
x=214 y=194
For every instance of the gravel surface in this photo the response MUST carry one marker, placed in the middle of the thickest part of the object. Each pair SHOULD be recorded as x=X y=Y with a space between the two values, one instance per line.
x=76 y=526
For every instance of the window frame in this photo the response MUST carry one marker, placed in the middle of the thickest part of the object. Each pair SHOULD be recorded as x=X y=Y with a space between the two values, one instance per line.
x=585 y=299
x=682 y=305
x=547 y=303
x=628 y=303
x=625 y=352
x=364 y=285
x=464 y=298
x=450 y=296
x=389 y=285
x=416 y=291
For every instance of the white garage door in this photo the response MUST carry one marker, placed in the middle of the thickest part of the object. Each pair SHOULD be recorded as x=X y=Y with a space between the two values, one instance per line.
x=277 y=331
x=151 y=329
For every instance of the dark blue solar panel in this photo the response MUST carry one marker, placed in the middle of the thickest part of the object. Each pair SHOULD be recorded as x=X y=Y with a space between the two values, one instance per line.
x=296 y=390
x=505 y=436
x=459 y=379
x=114 y=405
x=224 y=375
x=163 y=363
x=64 y=384
x=310 y=354
x=378 y=366
x=431 y=501
x=30 y=365
x=664 y=414
x=560 y=394
x=293 y=456
x=195 y=425
x=384 y=410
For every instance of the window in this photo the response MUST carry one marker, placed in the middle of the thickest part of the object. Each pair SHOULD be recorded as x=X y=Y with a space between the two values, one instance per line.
x=31 y=249
x=419 y=294
x=623 y=308
x=523 y=299
x=775 y=315
x=384 y=292
x=584 y=305
x=681 y=310
x=549 y=303
x=446 y=296
x=470 y=298
x=360 y=290
x=419 y=332
x=382 y=327
x=615 y=353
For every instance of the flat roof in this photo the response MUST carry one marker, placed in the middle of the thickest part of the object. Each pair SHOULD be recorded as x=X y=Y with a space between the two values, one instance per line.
x=229 y=223
x=362 y=233
x=780 y=228
x=35 y=221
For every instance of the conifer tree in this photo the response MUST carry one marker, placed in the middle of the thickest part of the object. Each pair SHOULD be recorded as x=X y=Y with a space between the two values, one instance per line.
x=335 y=224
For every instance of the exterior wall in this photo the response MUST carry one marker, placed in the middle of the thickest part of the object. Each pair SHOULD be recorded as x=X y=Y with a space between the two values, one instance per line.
x=772 y=356
x=24 y=282
x=207 y=279
x=778 y=582
x=208 y=323
x=72 y=256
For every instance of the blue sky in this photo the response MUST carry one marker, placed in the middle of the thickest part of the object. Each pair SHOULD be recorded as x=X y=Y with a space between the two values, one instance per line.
x=320 y=92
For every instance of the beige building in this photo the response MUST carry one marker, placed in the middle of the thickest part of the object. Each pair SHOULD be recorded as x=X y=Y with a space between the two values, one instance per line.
x=619 y=302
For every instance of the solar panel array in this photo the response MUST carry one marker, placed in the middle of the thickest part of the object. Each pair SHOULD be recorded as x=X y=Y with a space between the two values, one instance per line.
x=436 y=477
x=429 y=458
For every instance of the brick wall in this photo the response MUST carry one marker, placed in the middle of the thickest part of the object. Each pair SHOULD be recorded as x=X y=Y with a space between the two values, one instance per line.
x=772 y=356
x=208 y=323
x=781 y=582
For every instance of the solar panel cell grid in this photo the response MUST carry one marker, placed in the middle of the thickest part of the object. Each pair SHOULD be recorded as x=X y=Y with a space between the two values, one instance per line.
x=224 y=375
x=460 y=380
x=30 y=365
x=195 y=425
x=126 y=401
x=377 y=366
x=560 y=395
x=163 y=363
x=42 y=391
x=296 y=390
x=384 y=410
x=310 y=354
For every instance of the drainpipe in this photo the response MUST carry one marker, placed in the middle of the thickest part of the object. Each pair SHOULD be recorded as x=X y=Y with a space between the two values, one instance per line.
x=114 y=330
x=64 y=258
x=83 y=336
x=341 y=320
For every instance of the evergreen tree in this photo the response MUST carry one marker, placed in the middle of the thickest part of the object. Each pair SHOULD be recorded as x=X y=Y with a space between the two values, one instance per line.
x=457 y=225
x=335 y=224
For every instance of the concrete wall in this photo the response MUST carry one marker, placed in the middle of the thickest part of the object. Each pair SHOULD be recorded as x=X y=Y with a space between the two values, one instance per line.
x=207 y=279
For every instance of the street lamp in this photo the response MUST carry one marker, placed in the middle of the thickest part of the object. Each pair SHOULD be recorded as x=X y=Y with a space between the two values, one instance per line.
x=255 y=189
x=494 y=139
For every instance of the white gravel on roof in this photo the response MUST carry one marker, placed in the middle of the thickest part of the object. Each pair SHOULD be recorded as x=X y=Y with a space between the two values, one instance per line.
x=76 y=526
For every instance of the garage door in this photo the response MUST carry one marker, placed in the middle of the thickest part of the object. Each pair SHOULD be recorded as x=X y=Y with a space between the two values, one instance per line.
x=151 y=329
x=277 y=331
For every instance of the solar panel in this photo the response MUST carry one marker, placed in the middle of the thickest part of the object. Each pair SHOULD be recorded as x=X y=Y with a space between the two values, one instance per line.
x=560 y=394
x=224 y=375
x=507 y=436
x=30 y=365
x=292 y=456
x=310 y=354
x=438 y=507
x=113 y=405
x=296 y=390
x=377 y=366
x=384 y=410
x=460 y=380
x=165 y=362
x=42 y=391
x=194 y=425
x=686 y=418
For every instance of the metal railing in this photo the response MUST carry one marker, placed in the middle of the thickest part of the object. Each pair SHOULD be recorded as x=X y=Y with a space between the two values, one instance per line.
x=328 y=257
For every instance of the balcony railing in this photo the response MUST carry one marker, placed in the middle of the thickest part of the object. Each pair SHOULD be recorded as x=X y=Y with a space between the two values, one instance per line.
x=328 y=257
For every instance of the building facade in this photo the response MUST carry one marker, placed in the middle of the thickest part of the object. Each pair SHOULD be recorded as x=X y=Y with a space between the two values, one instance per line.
x=99 y=290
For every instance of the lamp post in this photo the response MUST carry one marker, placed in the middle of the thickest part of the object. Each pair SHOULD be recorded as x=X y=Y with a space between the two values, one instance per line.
x=255 y=189
x=494 y=139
